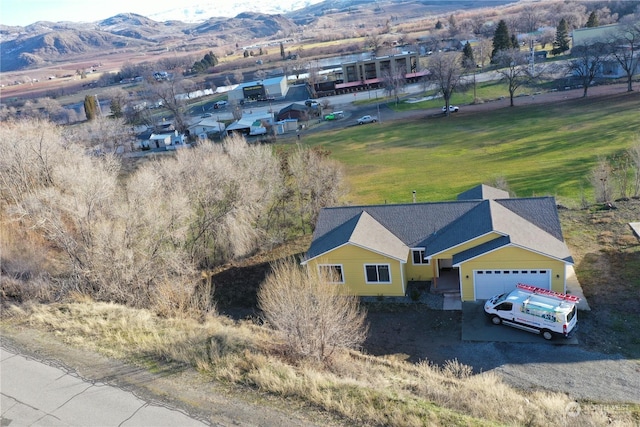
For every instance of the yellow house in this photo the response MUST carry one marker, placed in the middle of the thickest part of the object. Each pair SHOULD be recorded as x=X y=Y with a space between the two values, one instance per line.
x=485 y=240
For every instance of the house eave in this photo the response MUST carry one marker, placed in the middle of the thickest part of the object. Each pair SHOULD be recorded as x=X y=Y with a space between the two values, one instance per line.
x=402 y=261
x=513 y=245
x=452 y=248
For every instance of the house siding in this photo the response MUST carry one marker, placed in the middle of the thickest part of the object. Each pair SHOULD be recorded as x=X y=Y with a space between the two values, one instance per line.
x=511 y=258
x=353 y=259
x=418 y=272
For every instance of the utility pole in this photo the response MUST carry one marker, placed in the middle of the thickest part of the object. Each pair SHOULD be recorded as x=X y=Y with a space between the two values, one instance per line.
x=533 y=56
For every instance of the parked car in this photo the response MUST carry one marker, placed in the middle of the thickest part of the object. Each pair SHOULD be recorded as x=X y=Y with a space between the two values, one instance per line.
x=334 y=116
x=310 y=102
x=220 y=104
x=367 y=119
x=452 y=109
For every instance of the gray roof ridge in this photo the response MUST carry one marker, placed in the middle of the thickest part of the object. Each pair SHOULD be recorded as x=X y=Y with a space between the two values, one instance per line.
x=364 y=207
x=537 y=238
x=368 y=232
x=453 y=225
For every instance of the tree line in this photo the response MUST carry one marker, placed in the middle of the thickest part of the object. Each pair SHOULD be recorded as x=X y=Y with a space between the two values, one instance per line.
x=80 y=223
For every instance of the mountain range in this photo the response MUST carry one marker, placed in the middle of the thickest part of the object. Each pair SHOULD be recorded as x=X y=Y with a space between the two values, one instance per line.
x=46 y=43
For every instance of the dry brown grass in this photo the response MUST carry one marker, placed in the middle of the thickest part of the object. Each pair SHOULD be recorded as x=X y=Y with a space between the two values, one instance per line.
x=362 y=389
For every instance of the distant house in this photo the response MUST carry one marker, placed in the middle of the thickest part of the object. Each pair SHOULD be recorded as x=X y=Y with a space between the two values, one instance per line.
x=251 y=124
x=168 y=141
x=206 y=127
x=294 y=111
x=486 y=240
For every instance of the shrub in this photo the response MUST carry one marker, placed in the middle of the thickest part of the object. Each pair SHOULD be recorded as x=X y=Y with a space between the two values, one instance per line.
x=313 y=317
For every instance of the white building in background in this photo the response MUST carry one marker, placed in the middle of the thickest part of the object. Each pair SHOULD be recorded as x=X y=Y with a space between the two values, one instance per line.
x=271 y=88
x=205 y=127
x=168 y=141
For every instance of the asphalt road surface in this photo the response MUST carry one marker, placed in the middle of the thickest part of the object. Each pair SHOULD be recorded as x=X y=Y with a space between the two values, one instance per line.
x=36 y=394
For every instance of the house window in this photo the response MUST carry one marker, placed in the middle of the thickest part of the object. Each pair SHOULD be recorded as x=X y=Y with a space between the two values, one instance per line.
x=378 y=273
x=333 y=272
x=418 y=257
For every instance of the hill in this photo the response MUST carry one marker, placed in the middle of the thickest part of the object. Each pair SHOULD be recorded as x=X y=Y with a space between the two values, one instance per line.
x=45 y=43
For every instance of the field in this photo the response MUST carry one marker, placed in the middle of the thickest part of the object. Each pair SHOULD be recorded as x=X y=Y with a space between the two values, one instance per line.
x=539 y=149
x=217 y=359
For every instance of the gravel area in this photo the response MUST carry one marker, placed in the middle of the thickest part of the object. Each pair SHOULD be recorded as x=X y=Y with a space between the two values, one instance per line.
x=416 y=332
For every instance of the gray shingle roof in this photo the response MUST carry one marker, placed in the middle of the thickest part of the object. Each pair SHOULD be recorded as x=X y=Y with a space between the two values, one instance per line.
x=483 y=192
x=362 y=230
x=481 y=249
x=531 y=223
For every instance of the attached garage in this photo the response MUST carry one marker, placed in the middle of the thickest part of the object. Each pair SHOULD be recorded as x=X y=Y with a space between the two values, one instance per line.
x=488 y=283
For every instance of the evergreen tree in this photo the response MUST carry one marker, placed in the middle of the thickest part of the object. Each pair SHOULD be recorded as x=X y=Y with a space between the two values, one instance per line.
x=439 y=25
x=91 y=107
x=501 y=39
x=116 y=108
x=468 y=60
x=561 y=43
x=593 y=22
x=210 y=59
x=514 y=42
x=282 y=55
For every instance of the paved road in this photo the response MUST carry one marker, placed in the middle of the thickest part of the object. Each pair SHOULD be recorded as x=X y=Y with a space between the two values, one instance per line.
x=36 y=394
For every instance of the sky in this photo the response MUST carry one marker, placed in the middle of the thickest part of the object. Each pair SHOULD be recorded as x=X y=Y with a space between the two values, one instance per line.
x=25 y=12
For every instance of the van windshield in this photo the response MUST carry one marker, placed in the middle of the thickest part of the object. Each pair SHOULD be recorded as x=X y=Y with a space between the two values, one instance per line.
x=500 y=298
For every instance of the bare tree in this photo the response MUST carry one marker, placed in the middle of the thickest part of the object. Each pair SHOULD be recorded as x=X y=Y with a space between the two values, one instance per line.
x=546 y=37
x=602 y=181
x=394 y=82
x=625 y=43
x=529 y=18
x=313 y=315
x=373 y=42
x=238 y=77
x=318 y=182
x=513 y=69
x=109 y=246
x=482 y=51
x=621 y=170
x=118 y=100
x=446 y=71
x=171 y=94
x=589 y=57
x=231 y=192
x=104 y=135
x=260 y=74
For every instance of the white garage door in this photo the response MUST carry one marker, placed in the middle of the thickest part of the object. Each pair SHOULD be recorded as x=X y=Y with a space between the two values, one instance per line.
x=493 y=282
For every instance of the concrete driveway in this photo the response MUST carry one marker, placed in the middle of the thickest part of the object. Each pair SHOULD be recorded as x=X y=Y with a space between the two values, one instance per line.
x=477 y=327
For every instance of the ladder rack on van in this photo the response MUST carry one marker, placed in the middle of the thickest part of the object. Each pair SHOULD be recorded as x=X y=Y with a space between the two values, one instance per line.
x=547 y=292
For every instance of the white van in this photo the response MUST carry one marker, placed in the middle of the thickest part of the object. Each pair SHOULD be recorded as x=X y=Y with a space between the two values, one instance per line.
x=536 y=310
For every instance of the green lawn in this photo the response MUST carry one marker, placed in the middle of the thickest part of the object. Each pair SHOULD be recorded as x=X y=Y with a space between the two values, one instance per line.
x=540 y=150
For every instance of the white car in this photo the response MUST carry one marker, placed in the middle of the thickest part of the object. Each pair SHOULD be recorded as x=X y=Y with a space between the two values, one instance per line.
x=452 y=109
x=220 y=104
x=367 y=119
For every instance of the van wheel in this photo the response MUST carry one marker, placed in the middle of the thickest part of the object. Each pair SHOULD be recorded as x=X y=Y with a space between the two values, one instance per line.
x=496 y=320
x=547 y=335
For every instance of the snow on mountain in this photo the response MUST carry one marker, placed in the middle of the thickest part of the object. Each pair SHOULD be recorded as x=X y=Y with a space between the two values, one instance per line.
x=202 y=11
